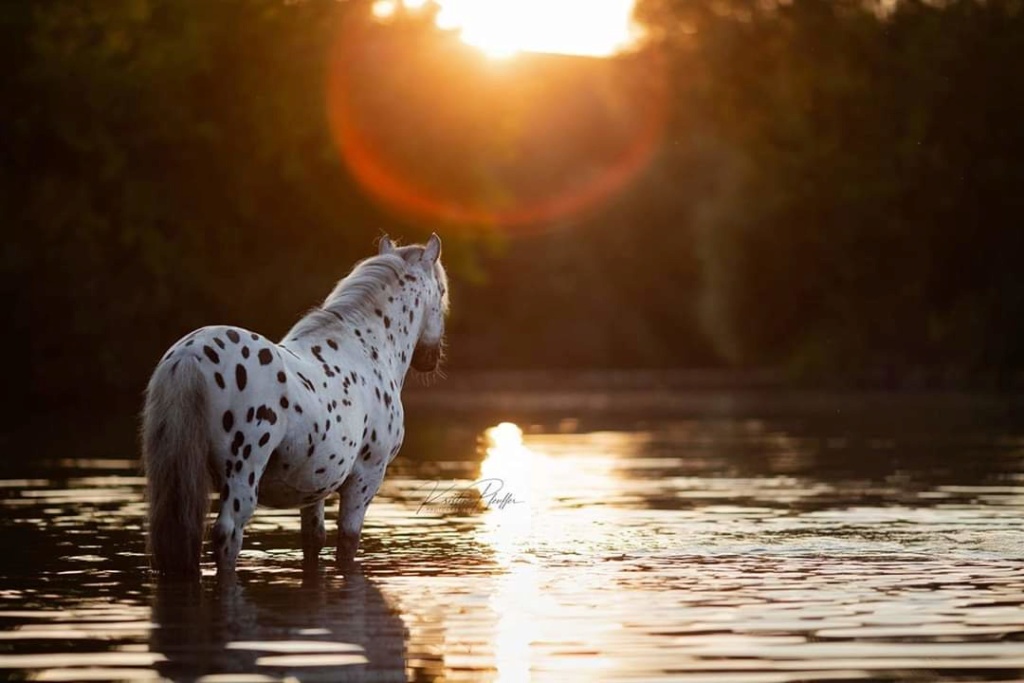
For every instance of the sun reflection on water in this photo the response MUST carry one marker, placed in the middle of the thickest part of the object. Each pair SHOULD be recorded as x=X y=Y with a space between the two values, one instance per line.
x=510 y=468
x=527 y=485
x=540 y=483
x=514 y=603
x=531 y=473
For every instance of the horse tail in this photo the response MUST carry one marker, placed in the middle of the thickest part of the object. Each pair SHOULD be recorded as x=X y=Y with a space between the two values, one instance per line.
x=175 y=448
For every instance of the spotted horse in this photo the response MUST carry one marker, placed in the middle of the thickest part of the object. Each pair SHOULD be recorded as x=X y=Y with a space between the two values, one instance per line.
x=288 y=424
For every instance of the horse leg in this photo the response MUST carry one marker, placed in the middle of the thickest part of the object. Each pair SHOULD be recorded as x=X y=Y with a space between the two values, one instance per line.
x=349 y=528
x=351 y=512
x=228 y=530
x=238 y=496
x=241 y=463
x=314 y=533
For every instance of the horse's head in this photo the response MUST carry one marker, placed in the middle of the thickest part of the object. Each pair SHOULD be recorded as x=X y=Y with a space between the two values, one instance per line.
x=424 y=262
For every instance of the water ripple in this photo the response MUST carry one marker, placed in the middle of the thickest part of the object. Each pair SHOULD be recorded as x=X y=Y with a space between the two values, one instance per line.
x=711 y=549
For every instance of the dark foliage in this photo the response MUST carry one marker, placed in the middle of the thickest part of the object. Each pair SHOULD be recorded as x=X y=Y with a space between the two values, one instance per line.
x=837 y=189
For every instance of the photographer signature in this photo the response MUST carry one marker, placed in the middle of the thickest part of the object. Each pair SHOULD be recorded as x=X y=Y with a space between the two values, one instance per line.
x=479 y=495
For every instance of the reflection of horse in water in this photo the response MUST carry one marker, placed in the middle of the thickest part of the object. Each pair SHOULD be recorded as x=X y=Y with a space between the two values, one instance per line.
x=331 y=629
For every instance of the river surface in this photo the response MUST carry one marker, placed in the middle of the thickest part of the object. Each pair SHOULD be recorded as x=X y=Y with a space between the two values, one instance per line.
x=828 y=538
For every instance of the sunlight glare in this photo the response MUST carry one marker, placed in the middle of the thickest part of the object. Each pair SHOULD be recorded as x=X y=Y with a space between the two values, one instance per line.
x=384 y=9
x=516 y=604
x=509 y=461
x=502 y=28
x=584 y=468
x=505 y=436
x=522 y=470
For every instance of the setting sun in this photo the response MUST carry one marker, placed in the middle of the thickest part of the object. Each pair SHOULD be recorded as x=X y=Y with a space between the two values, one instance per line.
x=587 y=115
x=501 y=28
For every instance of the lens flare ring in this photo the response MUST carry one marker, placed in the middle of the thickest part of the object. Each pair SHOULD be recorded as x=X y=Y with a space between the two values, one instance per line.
x=358 y=73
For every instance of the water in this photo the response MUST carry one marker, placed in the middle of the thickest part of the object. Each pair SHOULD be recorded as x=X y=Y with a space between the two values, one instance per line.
x=769 y=539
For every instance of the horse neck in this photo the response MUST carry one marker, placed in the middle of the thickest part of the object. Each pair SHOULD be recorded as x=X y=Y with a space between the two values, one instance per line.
x=384 y=328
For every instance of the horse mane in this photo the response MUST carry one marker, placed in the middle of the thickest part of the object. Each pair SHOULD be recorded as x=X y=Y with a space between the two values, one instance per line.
x=357 y=294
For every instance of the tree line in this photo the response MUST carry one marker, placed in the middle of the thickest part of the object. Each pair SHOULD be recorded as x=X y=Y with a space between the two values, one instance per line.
x=836 y=189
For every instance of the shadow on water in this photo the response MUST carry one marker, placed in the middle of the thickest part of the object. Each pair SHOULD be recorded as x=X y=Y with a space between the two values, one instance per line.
x=321 y=626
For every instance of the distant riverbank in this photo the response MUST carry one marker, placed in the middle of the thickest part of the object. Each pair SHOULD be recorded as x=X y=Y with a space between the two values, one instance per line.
x=687 y=392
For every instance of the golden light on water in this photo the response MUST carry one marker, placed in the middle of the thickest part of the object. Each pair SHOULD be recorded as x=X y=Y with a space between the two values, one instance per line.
x=522 y=486
x=505 y=436
x=510 y=468
x=501 y=28
x=507 y=457
x=544 y=473
x=516 y=469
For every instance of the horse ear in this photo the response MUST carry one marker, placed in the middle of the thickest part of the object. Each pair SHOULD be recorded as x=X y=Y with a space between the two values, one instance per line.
x=386 y=246
x=432 y=251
